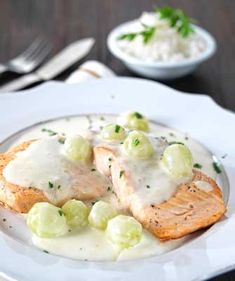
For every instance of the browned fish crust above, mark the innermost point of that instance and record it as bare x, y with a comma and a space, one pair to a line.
188, 210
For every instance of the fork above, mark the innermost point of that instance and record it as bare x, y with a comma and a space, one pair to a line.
32, 57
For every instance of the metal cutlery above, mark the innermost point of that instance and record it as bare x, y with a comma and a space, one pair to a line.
55, 66
32, 57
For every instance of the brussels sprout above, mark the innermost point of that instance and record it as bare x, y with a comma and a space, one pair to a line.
76, 213
138, 146
46, 220
178, 161
77, 148
113, 132
124, 231
100, 214
134, 121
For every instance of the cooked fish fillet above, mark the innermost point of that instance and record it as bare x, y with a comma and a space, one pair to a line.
86, 186
188, 210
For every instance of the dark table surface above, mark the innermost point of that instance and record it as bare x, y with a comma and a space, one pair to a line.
65, 21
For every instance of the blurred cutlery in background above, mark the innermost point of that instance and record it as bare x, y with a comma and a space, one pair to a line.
55, 66
32, 57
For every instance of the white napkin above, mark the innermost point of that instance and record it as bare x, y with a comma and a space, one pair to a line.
90, 70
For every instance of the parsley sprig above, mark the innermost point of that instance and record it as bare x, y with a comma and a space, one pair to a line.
147, 34
177, 19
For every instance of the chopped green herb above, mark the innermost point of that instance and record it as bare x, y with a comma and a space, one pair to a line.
121, 173
138, 115
224, 156
110, 166
121, 142
102, 118
61, 140
60, 212
128, 36
93, 169
117, 129
109, 188
50, 184
148, 186
45, 251
175, 142
93, 203
110, 159
217, 168
136, 142
59, 186
147, 34
177, 19
186, 137
171, 134
50, 132
197, 165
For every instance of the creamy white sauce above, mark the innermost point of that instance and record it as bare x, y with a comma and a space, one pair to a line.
43, 166
87, 243
149, 246
91, 244
40, 164
82, 124
152, 183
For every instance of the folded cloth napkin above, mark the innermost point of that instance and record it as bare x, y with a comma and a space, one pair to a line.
90, 70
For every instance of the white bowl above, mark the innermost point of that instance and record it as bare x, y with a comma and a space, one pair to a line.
156, 69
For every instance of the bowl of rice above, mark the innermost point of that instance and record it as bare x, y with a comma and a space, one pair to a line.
161, 45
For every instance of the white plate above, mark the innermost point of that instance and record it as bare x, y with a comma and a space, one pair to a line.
211, 253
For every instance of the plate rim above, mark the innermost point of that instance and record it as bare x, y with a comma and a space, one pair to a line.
42, 87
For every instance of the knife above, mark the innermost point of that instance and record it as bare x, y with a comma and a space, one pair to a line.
55, 66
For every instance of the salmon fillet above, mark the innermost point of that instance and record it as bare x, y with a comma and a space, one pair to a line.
188, 210
86, 186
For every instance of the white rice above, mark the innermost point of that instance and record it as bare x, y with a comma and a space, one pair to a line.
165, 45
